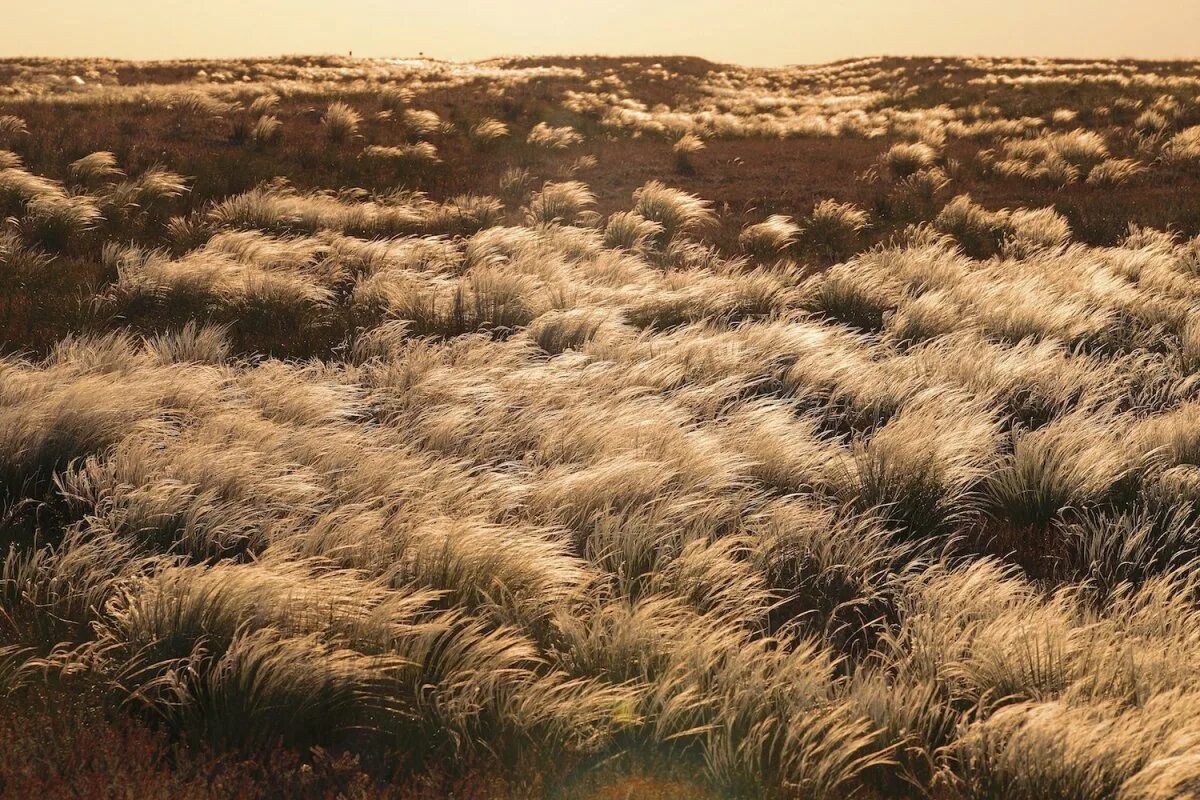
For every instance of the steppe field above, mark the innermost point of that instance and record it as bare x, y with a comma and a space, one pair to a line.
599, 429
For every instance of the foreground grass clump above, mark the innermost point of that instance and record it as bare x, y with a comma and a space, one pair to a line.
809, 433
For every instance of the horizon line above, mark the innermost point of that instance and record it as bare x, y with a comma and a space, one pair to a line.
280, 56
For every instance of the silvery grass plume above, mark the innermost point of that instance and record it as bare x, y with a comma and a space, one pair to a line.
157, 187
578, 164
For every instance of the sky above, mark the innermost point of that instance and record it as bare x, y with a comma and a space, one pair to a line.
768, 33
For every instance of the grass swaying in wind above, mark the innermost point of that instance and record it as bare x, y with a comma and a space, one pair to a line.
365, 482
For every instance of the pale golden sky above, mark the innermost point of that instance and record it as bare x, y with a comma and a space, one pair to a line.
762, 33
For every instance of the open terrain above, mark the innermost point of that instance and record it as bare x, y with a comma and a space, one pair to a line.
600, 428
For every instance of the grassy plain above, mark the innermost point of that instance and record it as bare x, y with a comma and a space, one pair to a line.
600, 428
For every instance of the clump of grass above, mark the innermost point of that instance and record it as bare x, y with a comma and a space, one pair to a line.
1100, 750
1029, 231
487, 132
199, 104
185, 233
157, 187
395, 98
146, 201
264, 105
978, 231
1189, 345
922, 470
193, 343
1115, 172
463, 214
11, 128
1182, 149
908, 158
25, 268
559, 331
1063, 116
418, 155
628, 230
58, 223
549, 137
926, 317
918, 195
234, 698
96, 169
582, 163
769, 238
559, 203
514, 183
18, 187
1151, 121
1114, 551
982, 233
421, 122
341, 122
487, 299
684, 148
266, 130
833, 229
1054, 158
675, 210
53, 593
1074, 463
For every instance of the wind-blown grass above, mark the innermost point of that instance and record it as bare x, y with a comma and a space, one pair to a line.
845, 488
341, 122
